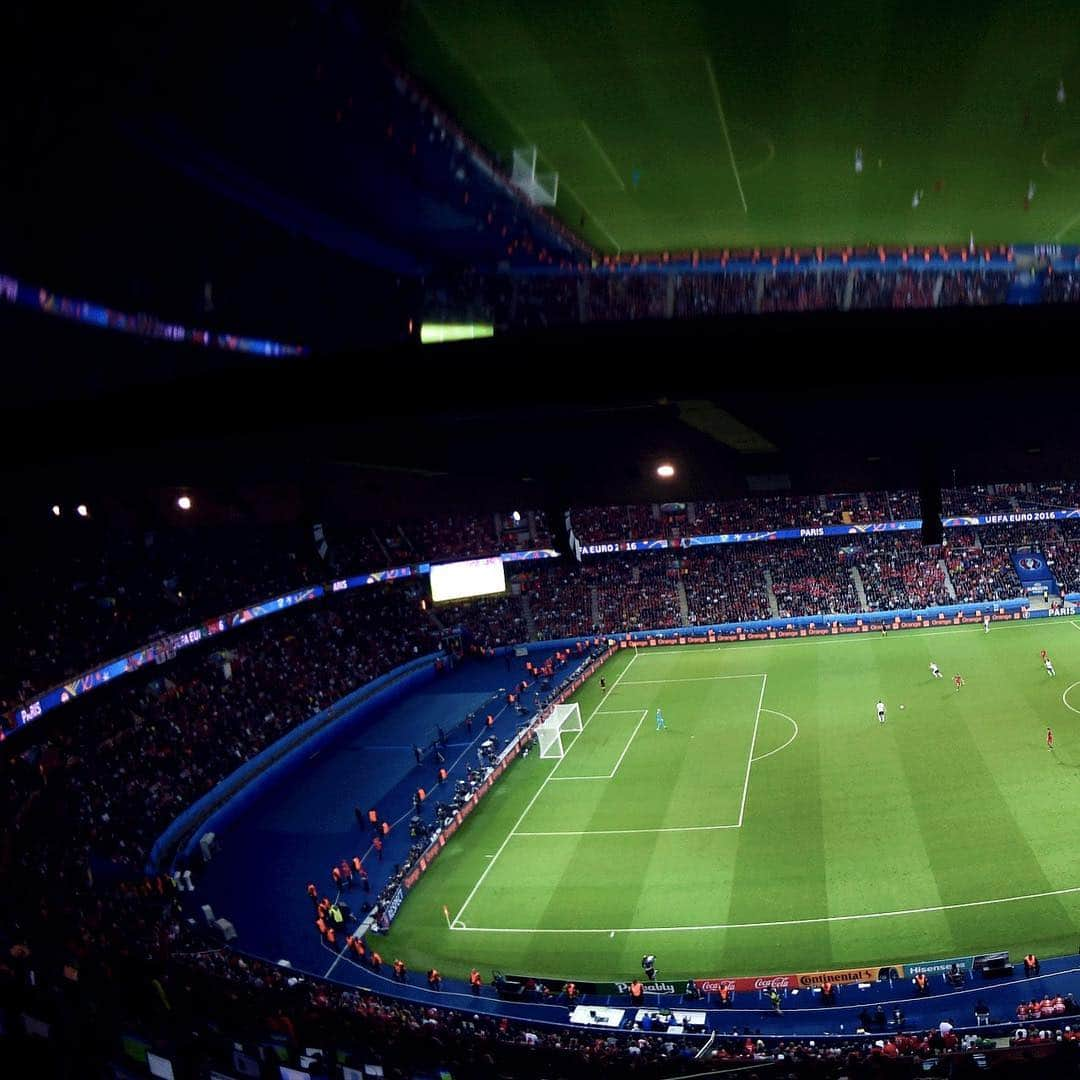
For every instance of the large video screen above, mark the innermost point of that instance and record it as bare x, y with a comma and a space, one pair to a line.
458, 580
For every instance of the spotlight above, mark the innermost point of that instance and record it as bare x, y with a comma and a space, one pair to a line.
55, 510
184, 502
665, 470
82, 511
516, 516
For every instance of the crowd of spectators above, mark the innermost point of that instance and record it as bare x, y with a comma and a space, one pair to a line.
625, 297
701, 295
560, 600
897, 571
723, 585
84, 804
1058, 495
490, 621
95, 596
74, 603
519, 302
174, 736
803, 290
774, 511
977, 499
811, 577
981, 574
636, 593
892, 505
1062, 287
206, 1009
599, 524
983, 289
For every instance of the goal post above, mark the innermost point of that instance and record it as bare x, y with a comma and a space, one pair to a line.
563, 718
541, 189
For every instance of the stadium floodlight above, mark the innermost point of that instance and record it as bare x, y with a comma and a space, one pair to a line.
541, 189
184, 502
82, 511
563, 718
56, 510
666, 471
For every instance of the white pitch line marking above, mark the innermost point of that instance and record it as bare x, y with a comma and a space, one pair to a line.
723, 124
1063, 231
786, 922
753, 743
1065, 694
644, 713
632, 832
794, 736
539, 792
557, 778
607, 161
695, 678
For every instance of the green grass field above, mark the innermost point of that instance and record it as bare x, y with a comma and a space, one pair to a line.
687, 124
776, 826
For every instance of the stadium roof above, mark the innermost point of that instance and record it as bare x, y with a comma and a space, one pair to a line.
581, 418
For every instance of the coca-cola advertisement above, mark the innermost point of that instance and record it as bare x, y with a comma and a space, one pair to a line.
745, 985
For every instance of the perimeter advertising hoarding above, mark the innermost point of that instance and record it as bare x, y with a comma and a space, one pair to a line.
804, 980
935, 967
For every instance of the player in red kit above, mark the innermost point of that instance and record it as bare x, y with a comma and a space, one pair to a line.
958, 681
1049, 738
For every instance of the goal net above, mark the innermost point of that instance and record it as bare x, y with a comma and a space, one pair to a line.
563, 718
541, 189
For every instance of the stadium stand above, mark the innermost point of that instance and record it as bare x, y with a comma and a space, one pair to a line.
722, 585
898, 571
981, 574
636, 593
811, 577
210, 710
601, 524
95, 594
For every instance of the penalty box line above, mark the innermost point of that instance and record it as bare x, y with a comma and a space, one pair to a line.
675, 828
539, 791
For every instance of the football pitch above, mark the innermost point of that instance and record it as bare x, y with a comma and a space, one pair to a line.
679, 124
776, 825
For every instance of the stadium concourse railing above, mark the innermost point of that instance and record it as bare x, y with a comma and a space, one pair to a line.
163, 649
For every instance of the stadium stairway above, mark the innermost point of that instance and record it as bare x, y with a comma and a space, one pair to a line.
774, 607
684, 607
950, 588
530, 622
860, 592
